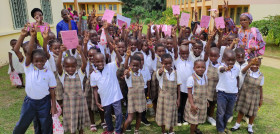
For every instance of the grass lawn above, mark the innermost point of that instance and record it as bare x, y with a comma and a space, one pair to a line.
267, 121
272, 50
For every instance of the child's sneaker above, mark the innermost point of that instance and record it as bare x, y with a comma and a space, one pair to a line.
211, 121
146, 122
128, 129
185, 122
235, 127
250, 129
179, 123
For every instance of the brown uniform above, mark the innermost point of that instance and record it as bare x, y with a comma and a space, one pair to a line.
154, 82
213, 79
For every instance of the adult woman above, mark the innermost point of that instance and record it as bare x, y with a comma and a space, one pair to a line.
37, 14
250, 38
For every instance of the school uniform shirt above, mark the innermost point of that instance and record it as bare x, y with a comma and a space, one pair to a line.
255, 75
193, 58
200, 80
80, 73
227, 80
241, 76
107, 83
210, 62
16, 64
129, 81
52, 62
222, 50
114, 55
101, 47
170, 52
185, 70
170, 77
146, 75
87, 67
146, 56
132, 53
153, 63
38, 82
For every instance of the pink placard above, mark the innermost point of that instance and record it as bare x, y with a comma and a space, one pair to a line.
184, 21
220, 23
205, 21
168, 31
70, 39
108, 15
176, 9
120, 23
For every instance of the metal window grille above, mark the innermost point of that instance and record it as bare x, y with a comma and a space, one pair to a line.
19, 13
47, 11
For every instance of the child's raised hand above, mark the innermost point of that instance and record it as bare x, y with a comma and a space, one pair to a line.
235, 41
177, 16
228, 68
24, 31
86, 38
140, 27
32, 30
126, 72
254, 61
46, 33
124, 25
161, 70
128, 51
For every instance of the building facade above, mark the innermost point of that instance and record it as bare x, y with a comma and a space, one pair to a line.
258, 8
15, 13
99, 5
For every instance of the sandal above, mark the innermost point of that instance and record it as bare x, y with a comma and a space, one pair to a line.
103, 125
93, 128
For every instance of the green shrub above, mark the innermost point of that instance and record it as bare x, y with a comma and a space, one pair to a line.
270, 27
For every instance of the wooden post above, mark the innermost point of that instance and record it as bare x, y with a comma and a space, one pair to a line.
76, 6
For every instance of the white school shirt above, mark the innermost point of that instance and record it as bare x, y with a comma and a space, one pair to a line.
228, 80
170, 77
80, 73
146, 75
222, 51
107, 83
255, 75
16, 64
146, 56
241, 76
101, 47
114, 56
87, 68
129, 79
38, 82
52, 62
185, 70
153, 63
193, 58
200, 80
136, 50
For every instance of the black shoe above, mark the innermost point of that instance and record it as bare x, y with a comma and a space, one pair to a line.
233, 129
128, 129
197, 131
146, 122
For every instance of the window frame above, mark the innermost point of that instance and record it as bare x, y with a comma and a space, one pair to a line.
45, 13
21, 13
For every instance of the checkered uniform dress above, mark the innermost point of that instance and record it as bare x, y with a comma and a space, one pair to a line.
89, 92
167, 111
122, 82
75, 112
200, 101
249, 97
59, 87
213, 79
136, 95
154, 83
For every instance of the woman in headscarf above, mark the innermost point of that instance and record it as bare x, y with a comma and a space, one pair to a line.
250, 38
37, 14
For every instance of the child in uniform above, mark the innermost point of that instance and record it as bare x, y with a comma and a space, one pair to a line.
196, 107
75, 112
251, 94
169, 95
40, 85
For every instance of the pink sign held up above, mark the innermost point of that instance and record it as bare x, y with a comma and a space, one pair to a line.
108, 15
184, 21
176, 9
205, 21
70, 39
220, 23
168, 30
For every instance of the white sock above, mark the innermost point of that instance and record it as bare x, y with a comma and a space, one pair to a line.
236, 126
250, 128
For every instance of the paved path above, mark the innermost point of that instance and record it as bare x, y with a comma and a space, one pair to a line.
271, 62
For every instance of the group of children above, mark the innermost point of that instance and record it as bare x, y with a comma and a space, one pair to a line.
184, 76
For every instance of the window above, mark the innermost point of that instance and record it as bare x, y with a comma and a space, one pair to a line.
115, 7
47, 10
110, 7
232, 13
71, 6
237, 21
100, 7
19, 13
245, 9
104, 7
